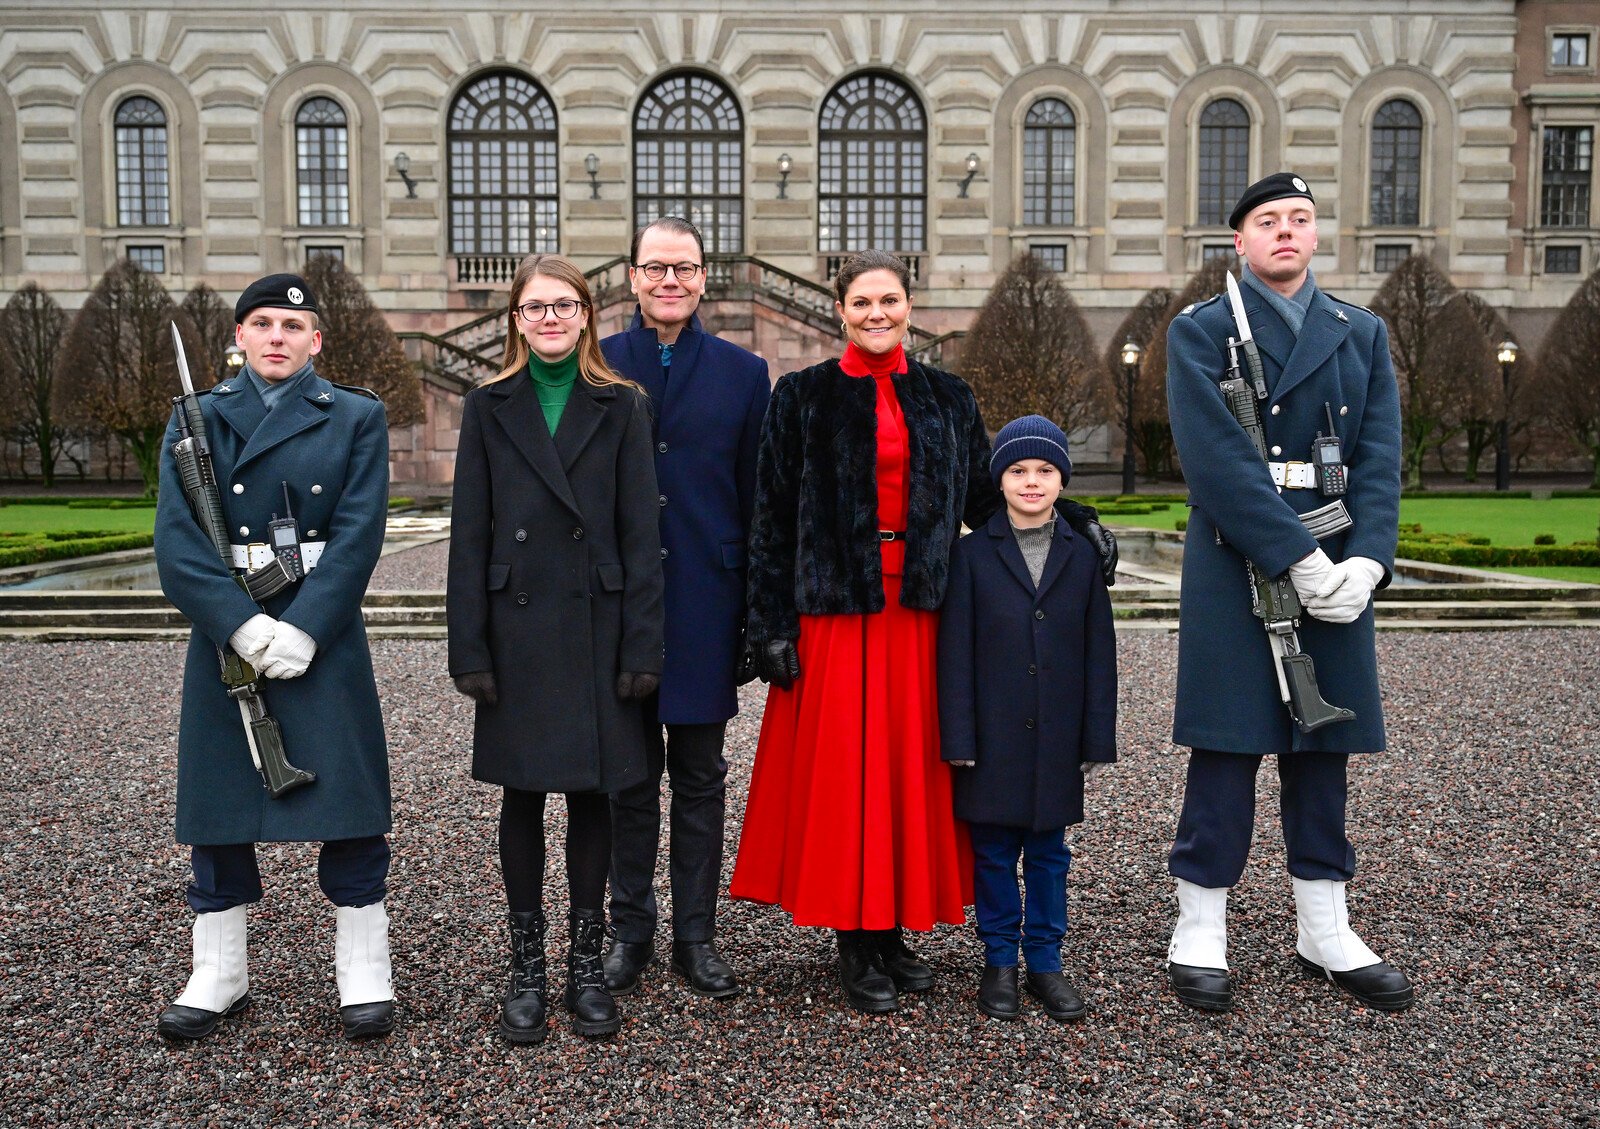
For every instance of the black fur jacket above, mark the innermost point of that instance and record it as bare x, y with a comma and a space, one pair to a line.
813, 546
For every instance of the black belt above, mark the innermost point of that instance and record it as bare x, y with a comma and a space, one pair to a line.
891, 535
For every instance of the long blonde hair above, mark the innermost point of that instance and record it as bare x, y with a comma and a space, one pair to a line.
591, 361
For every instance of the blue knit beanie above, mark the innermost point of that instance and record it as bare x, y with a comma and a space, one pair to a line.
1031, 437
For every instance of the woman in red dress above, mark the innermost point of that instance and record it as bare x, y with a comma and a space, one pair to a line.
869, 465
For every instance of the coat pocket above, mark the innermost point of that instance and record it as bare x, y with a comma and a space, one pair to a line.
733, 554
498, 575
608, 577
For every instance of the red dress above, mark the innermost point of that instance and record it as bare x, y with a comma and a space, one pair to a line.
849, 824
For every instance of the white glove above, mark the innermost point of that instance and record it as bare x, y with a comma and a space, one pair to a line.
1091, 769
250, 641
1345, 601
289, 653
1312, 576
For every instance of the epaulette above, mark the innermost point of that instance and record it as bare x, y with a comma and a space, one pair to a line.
1352, 305
1193, 306
358, 390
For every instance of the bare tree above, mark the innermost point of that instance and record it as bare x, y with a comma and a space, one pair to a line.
358, 347
1154, 434
1569, 372
1439, 353
1486, 402
117, 372
31, 329
213, 326
1149, 404
1030, 352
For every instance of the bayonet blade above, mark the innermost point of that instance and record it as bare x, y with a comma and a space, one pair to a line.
1252, 358
1235, 303
183, 361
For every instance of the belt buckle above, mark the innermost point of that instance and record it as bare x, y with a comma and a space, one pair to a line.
1297, 475
254, 559
886, 535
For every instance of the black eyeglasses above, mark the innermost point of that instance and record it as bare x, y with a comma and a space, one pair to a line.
655, 272
534, 311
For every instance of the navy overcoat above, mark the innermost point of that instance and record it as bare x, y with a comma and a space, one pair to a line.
331, 445
1027, 678
707, 409
1227, 690
554, 582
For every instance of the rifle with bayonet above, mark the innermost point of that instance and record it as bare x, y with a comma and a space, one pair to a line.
1273, 599
192, 454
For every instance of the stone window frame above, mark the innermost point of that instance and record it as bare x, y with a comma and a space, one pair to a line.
553, 135
710, 234
141, 154
1185, 247
1554, 31
919, 99
329, 192
1356, 244
1421, 128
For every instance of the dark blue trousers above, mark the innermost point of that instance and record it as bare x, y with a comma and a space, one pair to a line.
1219, 817
1002, 923
351, 872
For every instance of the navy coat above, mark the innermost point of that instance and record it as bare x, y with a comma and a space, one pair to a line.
707, 411
554, 582
1027, 678
331, 444
1227, 690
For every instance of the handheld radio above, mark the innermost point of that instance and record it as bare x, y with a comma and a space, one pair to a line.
284, 535
1333, 477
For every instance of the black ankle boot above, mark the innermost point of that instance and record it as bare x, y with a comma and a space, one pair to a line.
523, 1016
866, 986
594, 1012
909, 972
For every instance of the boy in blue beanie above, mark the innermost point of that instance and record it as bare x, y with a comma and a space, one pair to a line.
1028, 710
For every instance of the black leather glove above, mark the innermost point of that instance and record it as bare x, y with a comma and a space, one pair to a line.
635, 685
479, 686
1085, 521
778, 663
745, 671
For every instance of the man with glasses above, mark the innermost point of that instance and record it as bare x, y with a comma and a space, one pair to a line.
708, 397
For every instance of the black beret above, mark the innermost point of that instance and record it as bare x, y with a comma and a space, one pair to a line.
280, 291
1278, 186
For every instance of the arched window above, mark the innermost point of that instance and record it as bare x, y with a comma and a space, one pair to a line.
688, 159
1224, 159
1397, 165
874, 146
1048, 164
503, 180
140, 127
322, 163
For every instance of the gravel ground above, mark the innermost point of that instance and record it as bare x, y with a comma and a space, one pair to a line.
1479, 837
412, 569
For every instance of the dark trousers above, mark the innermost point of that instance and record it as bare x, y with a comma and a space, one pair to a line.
692, 757
522, 849
1004, 919
351, 872
1219, 815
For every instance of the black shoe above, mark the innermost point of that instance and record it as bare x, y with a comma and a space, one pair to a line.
625, 962
179, 1023
367, 1021
997, 992
1381, 985
909, 972
524, 1009
1209, 989
1061, 1000
866, 986
708, 974
594, 1012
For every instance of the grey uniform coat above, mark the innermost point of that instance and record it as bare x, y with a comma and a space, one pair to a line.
331, 444
1227, 690
555, 582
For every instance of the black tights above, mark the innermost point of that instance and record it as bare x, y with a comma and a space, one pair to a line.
522, 848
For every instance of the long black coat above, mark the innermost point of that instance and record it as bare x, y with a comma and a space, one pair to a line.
707, 409
555, 582
1027, 678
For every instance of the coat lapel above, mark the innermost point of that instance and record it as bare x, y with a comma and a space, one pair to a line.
1005, 543
301, 408
239, 405
1061, 549
1324, 330
1272, 336
519, 414
580, 419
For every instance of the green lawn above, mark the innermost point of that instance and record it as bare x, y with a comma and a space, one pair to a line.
52, 519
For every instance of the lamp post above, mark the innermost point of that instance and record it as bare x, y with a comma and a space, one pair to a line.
1507, 356
1130, 376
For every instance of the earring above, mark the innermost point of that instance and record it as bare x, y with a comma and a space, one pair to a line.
843, 328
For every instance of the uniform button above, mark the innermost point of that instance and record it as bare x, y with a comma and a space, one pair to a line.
662, 447
1344, 409
238, 488
1276, 408
1277, 450
522, 535
663, 554
577, 533
662, 500
244, 531
1032, 669
1039, 614
522, 597
1028, 723
311, 533
317, 489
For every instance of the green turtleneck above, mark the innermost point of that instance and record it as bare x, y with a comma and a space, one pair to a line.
553, 383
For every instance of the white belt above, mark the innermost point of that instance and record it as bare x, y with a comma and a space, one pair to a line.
258, 554
1294, 476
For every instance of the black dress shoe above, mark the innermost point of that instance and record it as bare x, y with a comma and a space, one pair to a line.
367, 1021
624, 963
1381, 985
866, 986
1209, 989
179, 1023
1061, 1000
997, 992
909, 972
707, 973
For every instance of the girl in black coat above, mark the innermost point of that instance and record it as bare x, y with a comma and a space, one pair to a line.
555, 616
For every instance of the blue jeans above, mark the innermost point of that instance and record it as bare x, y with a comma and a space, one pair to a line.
1002, 924
351, 872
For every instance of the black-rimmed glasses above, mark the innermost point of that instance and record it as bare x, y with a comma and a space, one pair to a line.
535, 311
655, 272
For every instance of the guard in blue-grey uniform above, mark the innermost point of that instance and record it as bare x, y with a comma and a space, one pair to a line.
1327, 367
279, 426
708, 397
